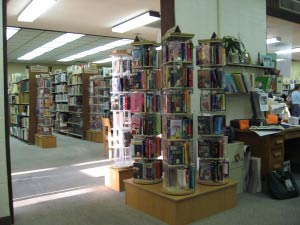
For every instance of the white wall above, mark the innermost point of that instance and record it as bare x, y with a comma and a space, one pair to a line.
4, 203
20, 67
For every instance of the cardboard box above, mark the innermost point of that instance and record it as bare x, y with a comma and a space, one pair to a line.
45, 141
95, 136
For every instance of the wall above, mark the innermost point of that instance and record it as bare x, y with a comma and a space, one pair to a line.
20, 67
244, 19
4, 193
295, 71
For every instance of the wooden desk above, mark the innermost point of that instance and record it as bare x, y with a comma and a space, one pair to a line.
271, 148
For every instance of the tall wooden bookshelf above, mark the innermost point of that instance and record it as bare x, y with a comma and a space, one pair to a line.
210, 57
177, 118
145, 106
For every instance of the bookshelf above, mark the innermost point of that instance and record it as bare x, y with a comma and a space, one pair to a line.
44, 131
19, 106
99, 102
210, 57
120, 138
145, 106
60, 95
177, 119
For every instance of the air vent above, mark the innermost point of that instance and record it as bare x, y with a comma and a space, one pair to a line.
290, 5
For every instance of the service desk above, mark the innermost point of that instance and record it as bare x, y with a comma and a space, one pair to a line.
273, 149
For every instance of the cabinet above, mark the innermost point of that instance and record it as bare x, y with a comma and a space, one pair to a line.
145, 108
234, 154
177, 118
213, 168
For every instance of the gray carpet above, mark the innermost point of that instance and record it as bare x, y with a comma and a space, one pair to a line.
70, 191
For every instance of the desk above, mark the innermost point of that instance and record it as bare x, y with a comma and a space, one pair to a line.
271, 148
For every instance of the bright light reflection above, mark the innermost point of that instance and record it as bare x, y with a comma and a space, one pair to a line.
100, 171
32, 171
33, 201
92, 162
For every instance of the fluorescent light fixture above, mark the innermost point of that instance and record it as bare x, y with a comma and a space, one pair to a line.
95, 50
273, 40
278, 60
103, 61
288, 51
49, 46
35, 9
141, 20
11, 31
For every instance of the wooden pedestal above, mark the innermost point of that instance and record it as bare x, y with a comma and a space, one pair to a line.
95, 136
115, 177
45, 141
180, 210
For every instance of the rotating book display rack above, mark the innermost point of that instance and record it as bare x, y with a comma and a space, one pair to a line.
120, 138
145, 105
177, 119
210, 57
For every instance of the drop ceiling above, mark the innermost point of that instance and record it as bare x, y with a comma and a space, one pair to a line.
96, 17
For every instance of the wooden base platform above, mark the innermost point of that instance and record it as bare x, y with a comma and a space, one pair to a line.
179, 210
45, 141
94, 135
115, 177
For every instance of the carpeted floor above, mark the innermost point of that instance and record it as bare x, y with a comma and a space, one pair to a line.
65, 186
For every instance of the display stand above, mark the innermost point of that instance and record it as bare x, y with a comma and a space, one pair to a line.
177, 119
115, 177
205, 201
145, 113
44, 137
120, 139
213, 170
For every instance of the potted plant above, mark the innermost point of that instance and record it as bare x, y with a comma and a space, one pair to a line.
234, 49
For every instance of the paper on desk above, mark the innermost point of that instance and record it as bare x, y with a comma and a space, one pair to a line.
264, 133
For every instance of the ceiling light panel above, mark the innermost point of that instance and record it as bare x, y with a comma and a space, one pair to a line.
103, 61
98, 49
35, 9
49, 46
139, 21
11, 31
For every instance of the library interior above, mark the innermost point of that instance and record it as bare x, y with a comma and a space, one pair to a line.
150, 112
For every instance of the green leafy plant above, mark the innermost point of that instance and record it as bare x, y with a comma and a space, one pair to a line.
233, 46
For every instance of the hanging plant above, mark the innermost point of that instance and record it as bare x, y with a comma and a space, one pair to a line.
233, 46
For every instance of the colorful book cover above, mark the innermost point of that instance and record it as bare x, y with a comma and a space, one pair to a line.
205, 124
175, 155
205, 103
219, 124
176, 129
205, 172
204, 79
136, 124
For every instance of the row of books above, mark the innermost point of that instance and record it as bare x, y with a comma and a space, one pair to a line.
22, 98
177, 51
101, 107
239, 82
211, 147
75, 90
177, 128
43, 112
144, 56
180, 177
19, 121
119, 84
97, 92
44, 83
211, 78
213, 171
24, 86
61, 107
176, 102
61, 98
98, 100
19, 109
147, 169
60, 88
178, 76
46, 102
120, 102
177, 153
208, 53
149, 147
212, 102
75, 79
60, 78
212, 124
145, 124
96, 122
144, 102
19, 132
43, 92
75, 100
146, 79
122, 65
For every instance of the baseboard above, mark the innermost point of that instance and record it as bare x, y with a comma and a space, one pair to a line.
5, 221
